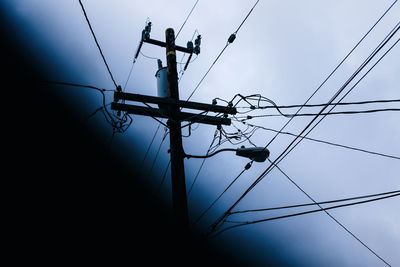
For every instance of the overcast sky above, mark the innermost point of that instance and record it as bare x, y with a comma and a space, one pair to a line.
284, 51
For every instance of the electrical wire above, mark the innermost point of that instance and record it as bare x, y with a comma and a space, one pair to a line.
201, 165
330, 215
190, 13
282, 155
158, 151
260, 98
230, 40
337, 67
247, 16
134, 60
275, 162
129, 75
248, 165
305, 135
313, 204
305, 212
97, 43
163, 177
151, 142
322, 114
120, 125
329, 143
332, 104
209, 69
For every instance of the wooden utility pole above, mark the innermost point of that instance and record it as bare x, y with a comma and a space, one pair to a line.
174, 115
179, 199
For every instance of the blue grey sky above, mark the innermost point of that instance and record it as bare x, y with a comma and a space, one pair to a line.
284, 51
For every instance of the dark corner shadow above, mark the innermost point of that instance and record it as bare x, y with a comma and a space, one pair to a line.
70, 201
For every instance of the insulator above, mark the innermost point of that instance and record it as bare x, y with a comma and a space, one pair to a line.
197, 42
232, 38
190, 45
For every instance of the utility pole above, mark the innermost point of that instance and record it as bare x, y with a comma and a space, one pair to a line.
174, 115
179, 199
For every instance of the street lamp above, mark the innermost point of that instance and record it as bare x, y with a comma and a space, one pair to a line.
258, 154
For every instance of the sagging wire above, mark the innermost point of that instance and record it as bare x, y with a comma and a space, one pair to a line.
211, 149
119, 122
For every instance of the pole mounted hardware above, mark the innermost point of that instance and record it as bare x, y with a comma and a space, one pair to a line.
189, 49
195, 49
170, 107
183, 104
179, 116
171, 102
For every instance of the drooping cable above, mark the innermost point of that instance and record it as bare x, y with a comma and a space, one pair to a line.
328, 143
303, 213
97, 43
305, 135
282, 155
119, 124
331, 216
313, 204
350, 112
337, 67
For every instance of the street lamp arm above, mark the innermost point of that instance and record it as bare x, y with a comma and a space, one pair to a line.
258, 154
209, 155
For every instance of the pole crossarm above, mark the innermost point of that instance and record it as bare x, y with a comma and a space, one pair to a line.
163, 44
171, 101
181, 116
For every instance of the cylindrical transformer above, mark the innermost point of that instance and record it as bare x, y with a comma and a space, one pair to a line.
162, 85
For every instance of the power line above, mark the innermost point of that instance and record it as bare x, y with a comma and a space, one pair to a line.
328, 143
247, 16
77, 85
97, 43
164, 175
313, 204
231, 39
202, 163
280, 158
248, 165
336, 68
119, 124
158, 151
330, 215
306, 212
331, 104
190, 13
373, 54
322, 114
283, 155
261, 98
148, 148
209, 69
343, 95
